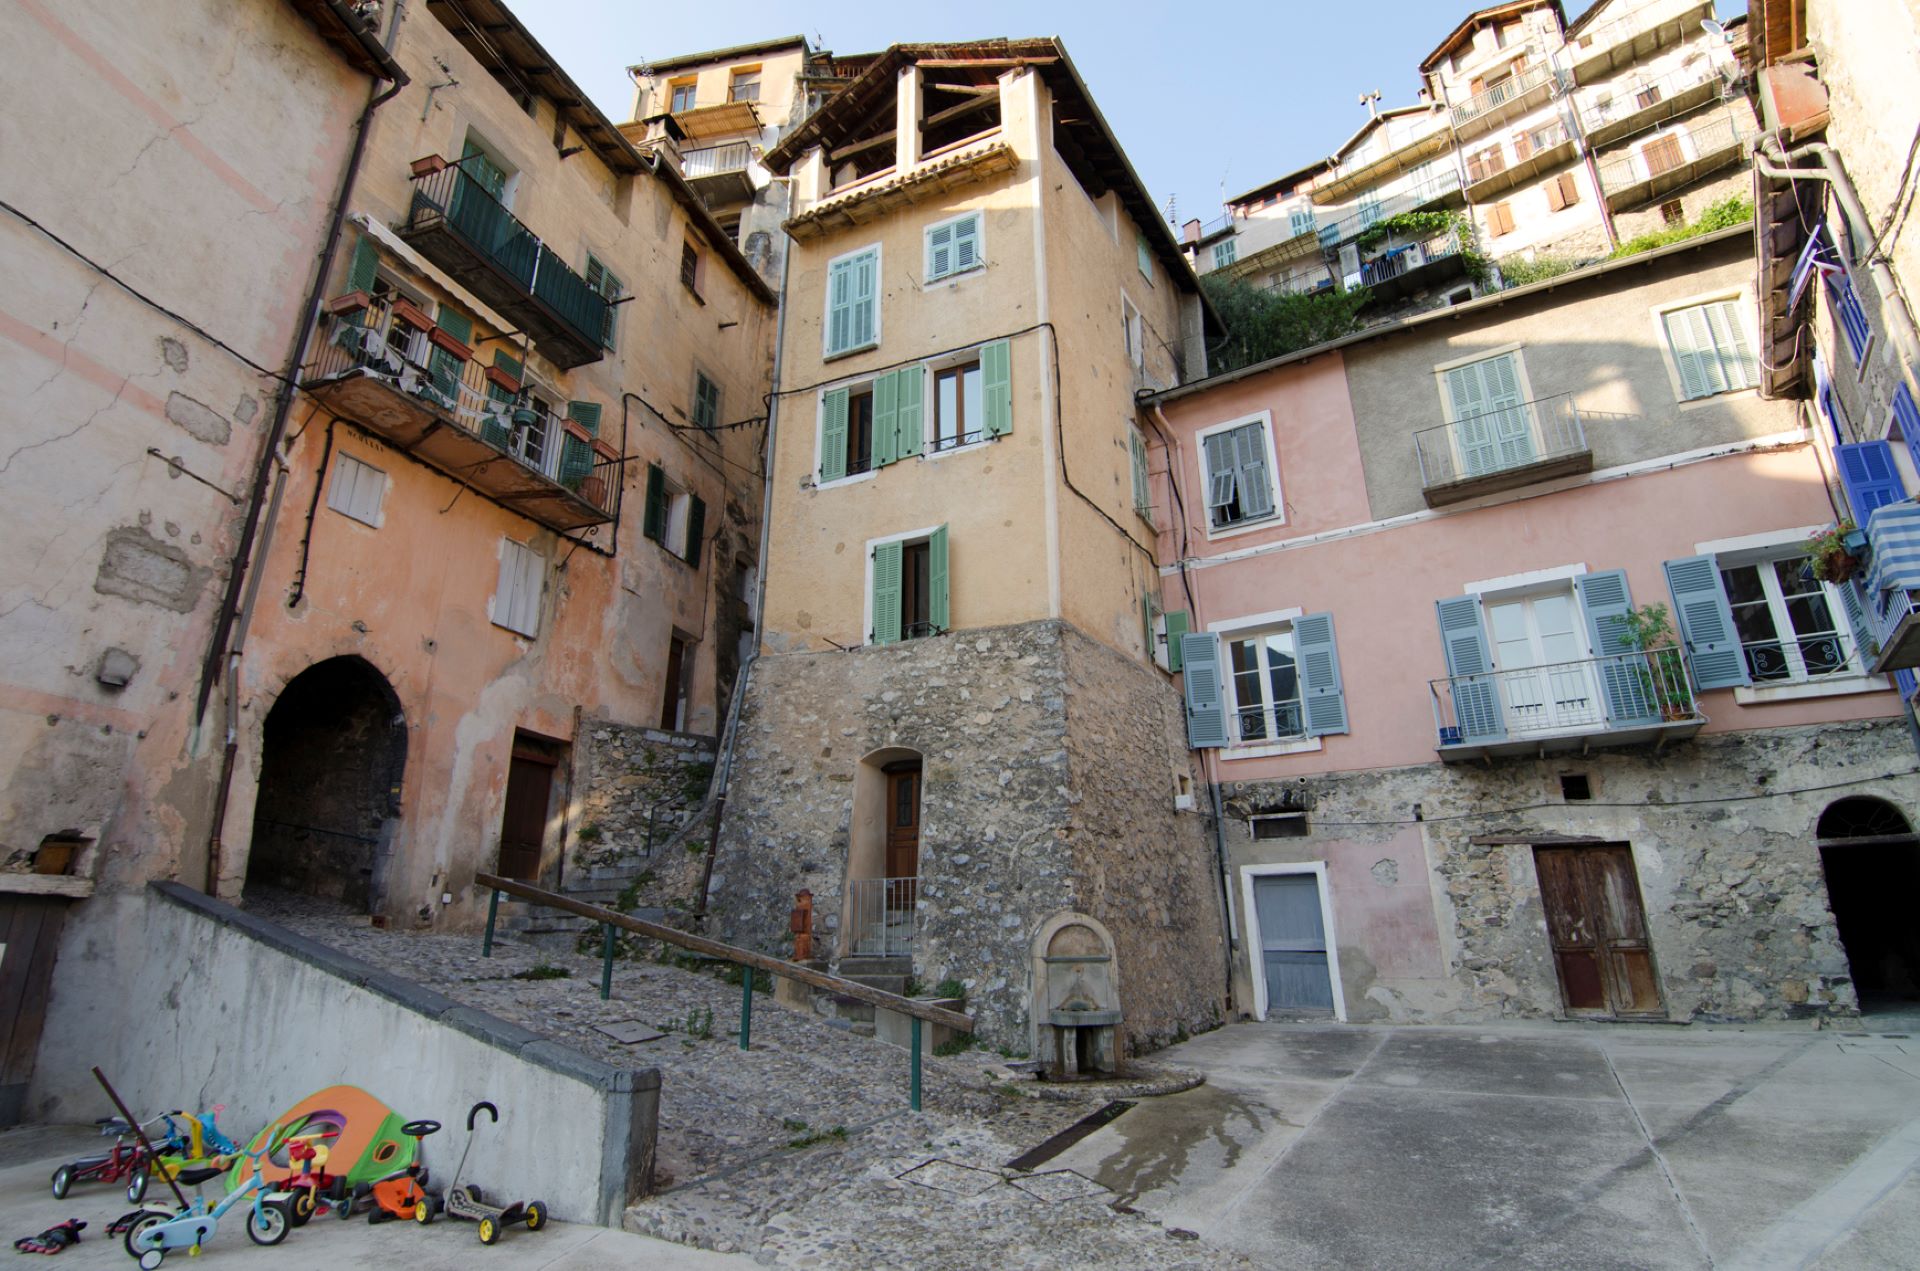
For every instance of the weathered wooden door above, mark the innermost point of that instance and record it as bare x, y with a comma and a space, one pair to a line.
1598, 929
29, 940
523, 831
903, 835
1293, 943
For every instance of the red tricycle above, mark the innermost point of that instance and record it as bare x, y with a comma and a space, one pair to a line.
127, 1159
314, 1190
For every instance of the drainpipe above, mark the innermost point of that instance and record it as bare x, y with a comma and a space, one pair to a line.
230, 627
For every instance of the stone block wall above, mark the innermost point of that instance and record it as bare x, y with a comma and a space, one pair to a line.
638, 787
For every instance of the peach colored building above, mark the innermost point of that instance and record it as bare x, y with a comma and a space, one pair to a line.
1458, 774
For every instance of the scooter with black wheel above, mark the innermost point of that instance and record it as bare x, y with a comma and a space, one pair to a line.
466, 1201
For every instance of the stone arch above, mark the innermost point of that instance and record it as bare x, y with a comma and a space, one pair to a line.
879, 903
1861, 816
1870, 857
1070, 934
332, 758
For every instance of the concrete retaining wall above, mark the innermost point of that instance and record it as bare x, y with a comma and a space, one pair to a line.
186, 1002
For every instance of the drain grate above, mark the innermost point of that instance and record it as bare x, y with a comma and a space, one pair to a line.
1068, 1137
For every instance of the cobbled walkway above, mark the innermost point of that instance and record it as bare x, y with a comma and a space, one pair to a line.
800, 1151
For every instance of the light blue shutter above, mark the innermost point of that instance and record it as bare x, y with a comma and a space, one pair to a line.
1472, 431
1321, 691
1146, 256
1206, 712
966, 244
1176, 633
886, 420
1222, 471
866, 298
839, 306
1871, 480
1255, 481
833, 435
939, 611
1737, 364
1512, 434
912, 385
996, 386
887, 561
1626, 678
1693, 352
1476, 696
940, 251
1705, 620
1865, 640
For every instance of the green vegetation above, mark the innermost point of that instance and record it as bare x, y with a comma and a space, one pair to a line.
1264, 324
956, 1046
589, 833
1424, 226
805, 1135
697, 1024
543, 972
1518, 273
951, 987
1725, 214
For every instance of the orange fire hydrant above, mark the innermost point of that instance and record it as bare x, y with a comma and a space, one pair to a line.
800, 921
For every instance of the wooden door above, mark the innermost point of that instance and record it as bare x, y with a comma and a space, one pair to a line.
523, 831
29, 940
1598, 929
903, 836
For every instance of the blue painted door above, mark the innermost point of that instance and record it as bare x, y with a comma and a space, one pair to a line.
1293, 943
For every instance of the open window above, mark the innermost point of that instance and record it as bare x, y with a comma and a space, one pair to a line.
675, 517
907, 596
1238, 473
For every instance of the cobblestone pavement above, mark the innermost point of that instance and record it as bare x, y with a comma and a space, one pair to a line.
802, 1150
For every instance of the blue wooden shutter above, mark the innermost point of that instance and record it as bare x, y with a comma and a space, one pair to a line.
833, 435
1176, 632
654, 523
1206, 711
911, 385
886, 420
996, 386
1908, 417
1706, 625
1626, 676
939, 611
1476, 696
1322, 693
888, 559
1847, 312
1871, 480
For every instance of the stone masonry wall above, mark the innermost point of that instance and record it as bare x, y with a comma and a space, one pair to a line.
637, 786
1722, 831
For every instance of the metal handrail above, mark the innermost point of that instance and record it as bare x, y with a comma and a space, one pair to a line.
1514, 86
1408, 257
1584, 696
1500, 440
715, 160
1709, 138
1268, 722
1623, 99
883, 915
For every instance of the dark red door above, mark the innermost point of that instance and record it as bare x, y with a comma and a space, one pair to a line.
1598, 929
523, 831
903, 836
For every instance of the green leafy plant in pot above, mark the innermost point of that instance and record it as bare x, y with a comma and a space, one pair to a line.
1832, 552
1663, 677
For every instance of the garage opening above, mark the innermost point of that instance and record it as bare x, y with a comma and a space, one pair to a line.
330, 771
1871, 858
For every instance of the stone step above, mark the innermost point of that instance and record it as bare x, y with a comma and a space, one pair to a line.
857, 965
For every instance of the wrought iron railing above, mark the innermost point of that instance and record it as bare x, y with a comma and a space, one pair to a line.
1797, 658
1268, 722
1216, 225
1333, 233
1508, 89
463, 205
1612, 103
1500, 440
1401, 260
1718, 137
713, 161
883, 913
376, 342
1590, 696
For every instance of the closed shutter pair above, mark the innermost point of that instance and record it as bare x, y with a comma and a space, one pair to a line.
1323, 696
1710, 349
853, 302
1563, 191
889, 589
953, 248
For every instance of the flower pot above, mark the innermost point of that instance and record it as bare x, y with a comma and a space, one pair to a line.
1837, 567
1450, 736
442, 340
352, 302
499, 377
594, 490
428, 166
413, 315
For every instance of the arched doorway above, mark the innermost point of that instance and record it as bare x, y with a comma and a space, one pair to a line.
1871, 858
883, 855
334, 749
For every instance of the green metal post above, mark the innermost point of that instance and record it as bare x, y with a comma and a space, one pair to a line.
493, 911
914, 1089
606, 961
746, 1006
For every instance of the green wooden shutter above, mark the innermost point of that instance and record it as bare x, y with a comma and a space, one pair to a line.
696, 530
1626, 681
1176, 632
576, 456
1142, 488
839, 306
939, 612
508, 363
912, 382
996, 385
586, 414
966, 244
443, 377
365, 263
833, 435
654, 523
1706, 622
1476, 697
886, 420
1200, 682
887, 568
454, 323
496, 428
866, 298
1145, 255
1322, 692
940, 251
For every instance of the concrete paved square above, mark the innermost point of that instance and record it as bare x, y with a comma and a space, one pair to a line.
1545, 1146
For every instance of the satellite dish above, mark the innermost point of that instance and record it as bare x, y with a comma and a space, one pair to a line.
1715, 30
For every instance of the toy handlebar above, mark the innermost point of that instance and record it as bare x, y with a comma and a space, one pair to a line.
473, 1112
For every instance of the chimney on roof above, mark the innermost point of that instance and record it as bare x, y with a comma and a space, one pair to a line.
657, 134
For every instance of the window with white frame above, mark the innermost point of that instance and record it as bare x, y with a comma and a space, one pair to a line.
357, 490
1136, 332
516, 597
853, 302
1790, 624
953, 247
1225, 252
1301, 220
1264, 676
1711, 350
1237, 463
959, 406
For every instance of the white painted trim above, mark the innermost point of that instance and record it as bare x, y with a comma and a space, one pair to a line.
837, 482
1279, 514
1253, 620
1440, 369
926, 250
1772, 441
826, 303
1532, 578
1799, 690
1756, 542
1257, 962
1743, 313
1306, 745
866, 604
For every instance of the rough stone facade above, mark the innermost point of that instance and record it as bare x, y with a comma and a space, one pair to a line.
1049, 769
1723, 836
638, 788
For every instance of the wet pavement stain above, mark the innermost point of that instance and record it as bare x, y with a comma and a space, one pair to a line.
1159, 1137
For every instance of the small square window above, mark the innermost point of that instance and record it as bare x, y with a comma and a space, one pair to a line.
1673, 212
516, 597
682, 95
953, 247
357, 490
744, 86
1575, 787
690, 267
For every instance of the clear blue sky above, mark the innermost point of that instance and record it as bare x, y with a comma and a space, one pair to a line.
1201, 98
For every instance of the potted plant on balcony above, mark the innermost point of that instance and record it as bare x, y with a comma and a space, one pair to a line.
1835, 551
1663, 678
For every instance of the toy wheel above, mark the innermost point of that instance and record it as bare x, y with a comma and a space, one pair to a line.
62, 1182
489, 1231
473, 1194
137, 1185
536, 1214
423, 1211
152, 1258
270, 1226
303, 1206
140, 1226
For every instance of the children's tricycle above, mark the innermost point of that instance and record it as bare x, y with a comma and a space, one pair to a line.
313, 1189
467, 1202
403, 1193
156, 1232
127, 1159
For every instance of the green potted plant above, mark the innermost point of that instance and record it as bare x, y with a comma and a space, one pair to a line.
1834, 552
1663, 677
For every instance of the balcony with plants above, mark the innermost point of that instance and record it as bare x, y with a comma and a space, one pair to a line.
1411, 251
384, 365
458, 224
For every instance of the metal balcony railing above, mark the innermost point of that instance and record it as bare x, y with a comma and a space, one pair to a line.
715, 161
1797, 658
1333, 233
1404, 260
1586, 698
1500, 440
1269, 722
1683, 151
1607, 106
1509, 89
452, 201
884, 911
1217, 225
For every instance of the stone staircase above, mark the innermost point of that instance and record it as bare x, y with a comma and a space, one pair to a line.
560, 931
889, 974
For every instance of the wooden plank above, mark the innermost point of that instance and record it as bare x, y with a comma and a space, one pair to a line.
23, 927
46, 885
952, 63
731, 953
31, 1014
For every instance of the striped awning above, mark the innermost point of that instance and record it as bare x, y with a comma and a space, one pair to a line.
1893, 534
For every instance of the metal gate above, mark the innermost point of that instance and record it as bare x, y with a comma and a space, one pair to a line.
1293, 943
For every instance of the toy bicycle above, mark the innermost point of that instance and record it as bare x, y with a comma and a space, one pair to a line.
127, 1159
154, 1233
403, 1193
467, 1202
